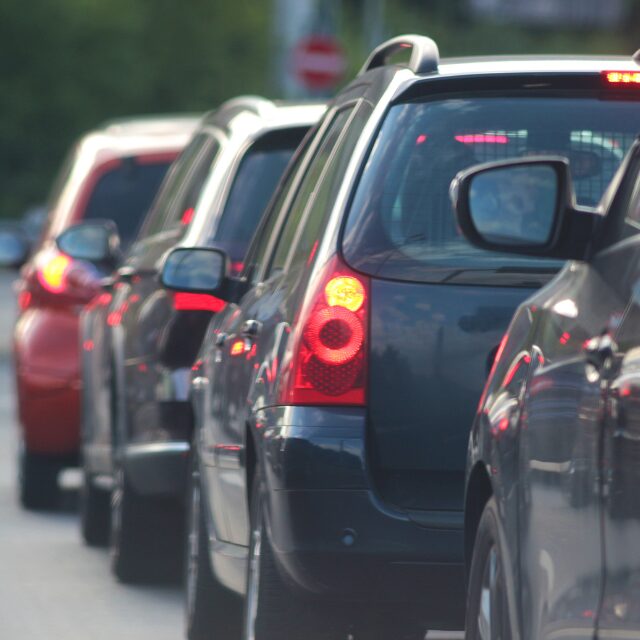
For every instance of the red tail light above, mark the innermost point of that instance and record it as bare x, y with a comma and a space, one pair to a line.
52, 273
327, 361
197, 302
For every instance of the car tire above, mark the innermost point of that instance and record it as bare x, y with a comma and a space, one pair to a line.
487, 601
95, 513
211, 610
38, 481
272, 609
145, 535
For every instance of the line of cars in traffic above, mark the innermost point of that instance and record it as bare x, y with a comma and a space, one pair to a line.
272, 379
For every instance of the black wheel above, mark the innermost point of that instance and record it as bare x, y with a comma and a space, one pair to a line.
145, 535
95, 513
38, 481
272, 610
487, 603
211, 610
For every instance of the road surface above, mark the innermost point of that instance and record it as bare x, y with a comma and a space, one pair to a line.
52, 587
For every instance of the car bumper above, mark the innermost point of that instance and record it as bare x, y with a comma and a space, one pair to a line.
332, 536
49, 410
159, 468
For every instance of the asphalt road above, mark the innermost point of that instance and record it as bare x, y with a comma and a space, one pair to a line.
52, 587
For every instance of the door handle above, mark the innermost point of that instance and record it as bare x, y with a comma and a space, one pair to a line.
602, 353
251, 328
221, 338
126, 273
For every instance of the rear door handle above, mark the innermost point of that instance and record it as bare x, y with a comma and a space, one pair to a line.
221, 338
126, 273
602, 353
251, 328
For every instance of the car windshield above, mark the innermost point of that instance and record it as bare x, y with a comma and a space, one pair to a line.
124, 194
401, 222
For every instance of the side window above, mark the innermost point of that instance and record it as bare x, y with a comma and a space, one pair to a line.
308, 187
257, 253
170, 187
183, 207
322, 204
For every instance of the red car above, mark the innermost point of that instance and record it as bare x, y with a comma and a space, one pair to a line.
112, 174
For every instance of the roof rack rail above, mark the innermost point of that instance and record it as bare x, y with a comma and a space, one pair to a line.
424, 53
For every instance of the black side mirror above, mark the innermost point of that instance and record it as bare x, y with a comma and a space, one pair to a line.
524, 206
196, 270
94, 241
14, 247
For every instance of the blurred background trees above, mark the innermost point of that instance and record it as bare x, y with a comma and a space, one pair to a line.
67, 65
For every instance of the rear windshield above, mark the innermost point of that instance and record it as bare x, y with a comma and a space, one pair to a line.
124, 194
252, 188
401, 224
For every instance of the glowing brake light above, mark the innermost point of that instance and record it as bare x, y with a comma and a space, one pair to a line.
327, 359
197, 302
52, 275
622, 78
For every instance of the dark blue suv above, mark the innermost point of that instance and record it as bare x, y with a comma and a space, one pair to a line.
335, 393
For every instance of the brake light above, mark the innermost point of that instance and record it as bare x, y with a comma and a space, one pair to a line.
197, 302
622, 78
52, 275
327, 360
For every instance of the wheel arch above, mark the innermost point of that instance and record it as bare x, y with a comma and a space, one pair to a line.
479, 492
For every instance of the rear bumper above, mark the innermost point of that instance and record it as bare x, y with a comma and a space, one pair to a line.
49, 411
334, 539
158, 469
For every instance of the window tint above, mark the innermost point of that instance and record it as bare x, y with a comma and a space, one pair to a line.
253, 185
263, 238
307, 188
172, 186
183, 207
325, 194
124, 195
402, 223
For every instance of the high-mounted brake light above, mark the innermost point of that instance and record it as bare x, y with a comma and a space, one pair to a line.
52, 274
327, 359
622, 78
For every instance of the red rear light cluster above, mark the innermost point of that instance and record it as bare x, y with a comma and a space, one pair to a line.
327, 363
622, 78
53, 272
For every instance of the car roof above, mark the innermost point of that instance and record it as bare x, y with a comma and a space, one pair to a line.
568, 64
138, 136
242, 121
245, 113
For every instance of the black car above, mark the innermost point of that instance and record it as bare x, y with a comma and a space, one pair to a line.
552, 510
140, 341
337, 389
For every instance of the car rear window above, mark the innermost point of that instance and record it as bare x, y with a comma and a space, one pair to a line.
253, 186
123, 194
401, 223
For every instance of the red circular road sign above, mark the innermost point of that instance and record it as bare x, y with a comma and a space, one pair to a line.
319, 62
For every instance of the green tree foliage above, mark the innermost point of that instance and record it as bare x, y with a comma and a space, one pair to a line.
67, 65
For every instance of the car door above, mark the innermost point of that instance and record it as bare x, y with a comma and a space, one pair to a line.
252, 334
617, 357
560, 455
144, 306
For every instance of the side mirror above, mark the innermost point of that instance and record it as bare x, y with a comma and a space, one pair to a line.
14, 247
197, 270
95, 241
524, 206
